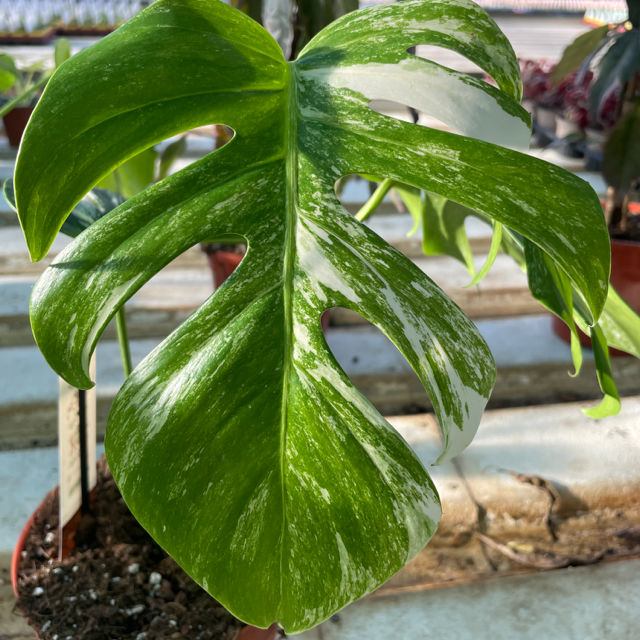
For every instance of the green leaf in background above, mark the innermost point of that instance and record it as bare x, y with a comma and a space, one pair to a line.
621, 159
133, 176
617, 65
577, 52
8, 72
620, 324
443, 230
496, 244
29, 80
61, 51
96, 204
610, 405
170, 154
512, 245
412, 198
552, 288
239, 443
341, 7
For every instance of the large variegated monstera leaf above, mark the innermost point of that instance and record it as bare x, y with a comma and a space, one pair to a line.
239, 442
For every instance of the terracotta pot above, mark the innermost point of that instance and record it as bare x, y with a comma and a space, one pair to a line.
224, 263
247, 633
625, 278
15, 122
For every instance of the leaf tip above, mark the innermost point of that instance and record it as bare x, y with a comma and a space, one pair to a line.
608, 408
36, 251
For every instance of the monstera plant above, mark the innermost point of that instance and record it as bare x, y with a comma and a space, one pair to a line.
239, 443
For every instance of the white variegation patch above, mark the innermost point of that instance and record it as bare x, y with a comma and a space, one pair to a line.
469, 106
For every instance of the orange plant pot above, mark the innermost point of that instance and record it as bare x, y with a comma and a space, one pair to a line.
625, 278
15, 123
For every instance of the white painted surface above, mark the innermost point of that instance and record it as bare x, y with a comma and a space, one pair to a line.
12, 242
26, 377
170, 289
175, 288
596, 461
584, 603
583, 449
360, 350
25, 479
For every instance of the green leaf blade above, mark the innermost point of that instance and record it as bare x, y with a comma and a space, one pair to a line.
8, 72
621, 160
610, 404
443, 230
509, 187
620, 324
496, 243
617, 65
239, 442
552, 288
146, 109
577, 52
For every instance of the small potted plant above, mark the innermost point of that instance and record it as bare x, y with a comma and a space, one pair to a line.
614, 104
535, 83
239, 443
19, 88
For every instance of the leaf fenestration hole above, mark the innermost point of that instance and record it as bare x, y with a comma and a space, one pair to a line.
193, 144
446, 58
375, 365
399, 111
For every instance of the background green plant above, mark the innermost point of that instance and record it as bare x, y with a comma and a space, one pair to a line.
22, 84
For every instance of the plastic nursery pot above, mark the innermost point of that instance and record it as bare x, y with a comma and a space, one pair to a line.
224, 263
246, 633
15, 122
625, 278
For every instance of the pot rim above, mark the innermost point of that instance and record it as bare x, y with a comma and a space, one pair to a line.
626, 243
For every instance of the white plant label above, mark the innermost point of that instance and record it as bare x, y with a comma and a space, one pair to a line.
69, 445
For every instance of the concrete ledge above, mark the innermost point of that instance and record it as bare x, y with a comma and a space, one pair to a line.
171, 296
533, 366
593, 466
584, 603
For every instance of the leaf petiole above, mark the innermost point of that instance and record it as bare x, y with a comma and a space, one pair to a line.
374, 201
123, 341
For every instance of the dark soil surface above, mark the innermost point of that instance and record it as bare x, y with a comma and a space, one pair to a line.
116, 584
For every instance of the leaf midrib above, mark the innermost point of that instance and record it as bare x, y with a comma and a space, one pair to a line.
290, 145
